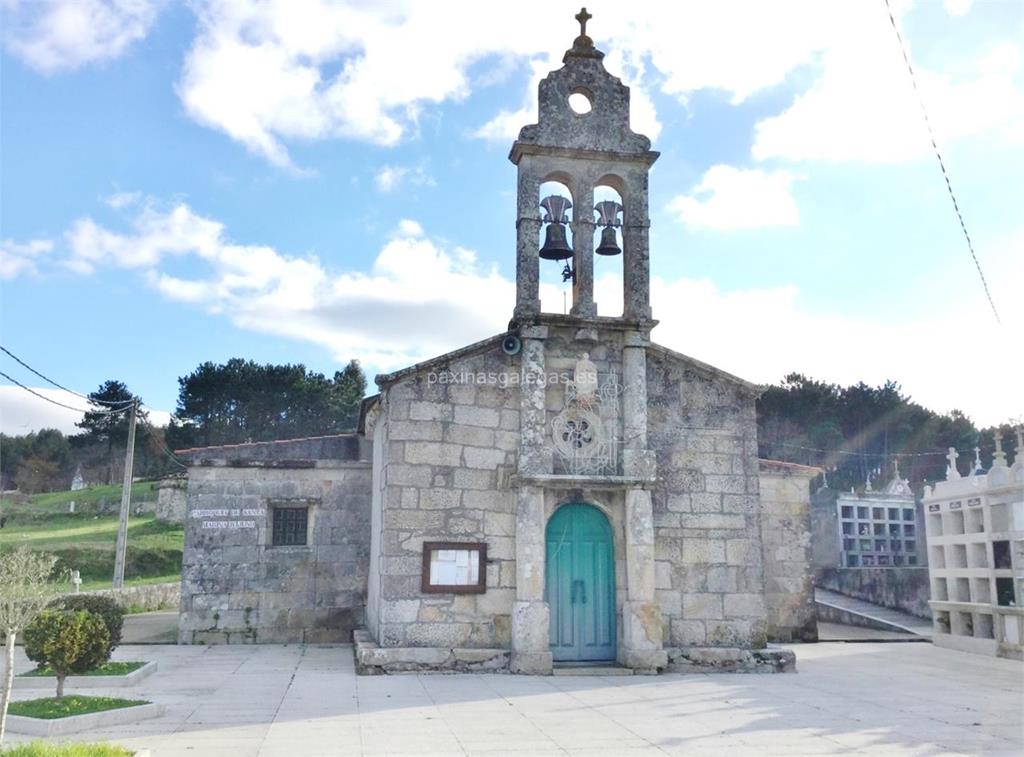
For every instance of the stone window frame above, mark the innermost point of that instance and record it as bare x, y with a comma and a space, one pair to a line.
311, 505
480, 587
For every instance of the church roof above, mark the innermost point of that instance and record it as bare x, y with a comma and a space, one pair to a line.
284, 452
383, 380
708, 370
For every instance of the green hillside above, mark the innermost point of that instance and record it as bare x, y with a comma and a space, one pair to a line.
85, 540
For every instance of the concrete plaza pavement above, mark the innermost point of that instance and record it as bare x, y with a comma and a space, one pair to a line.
285, 701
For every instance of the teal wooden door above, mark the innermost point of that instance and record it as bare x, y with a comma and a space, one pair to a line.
580, 584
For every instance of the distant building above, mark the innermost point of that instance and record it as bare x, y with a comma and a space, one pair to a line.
879, 529
77, 482
975, 532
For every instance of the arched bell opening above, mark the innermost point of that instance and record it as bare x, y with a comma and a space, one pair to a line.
608, 245
555, 244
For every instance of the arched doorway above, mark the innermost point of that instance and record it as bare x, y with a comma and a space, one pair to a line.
580, 584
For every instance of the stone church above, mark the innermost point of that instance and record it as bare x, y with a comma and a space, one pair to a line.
568, 492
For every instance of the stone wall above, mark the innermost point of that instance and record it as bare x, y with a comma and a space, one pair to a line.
904, 589
709, 572
172, 499
236, 586
448, 449
145, 598
786, 535
450, 442
825, 542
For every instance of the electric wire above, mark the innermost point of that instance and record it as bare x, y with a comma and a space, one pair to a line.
154, 432
61, 404
17, 359
942, 164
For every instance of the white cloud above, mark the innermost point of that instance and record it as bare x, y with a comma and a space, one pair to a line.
957, 7
390, 178
729, 198
157, 234
60, 35
20, 257
22, 412
863, 107
121, 200
422, 298
419, 299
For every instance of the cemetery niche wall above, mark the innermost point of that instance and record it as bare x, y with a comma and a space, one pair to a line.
567, 492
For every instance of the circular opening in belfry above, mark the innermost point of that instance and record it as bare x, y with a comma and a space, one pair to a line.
580, 102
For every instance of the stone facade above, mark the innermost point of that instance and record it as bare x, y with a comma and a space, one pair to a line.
674, 558
172, 499
786, 543
440, 449
236, 586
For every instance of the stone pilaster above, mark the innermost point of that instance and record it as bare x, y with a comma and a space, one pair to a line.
534, 451
636, 253
530, 614
642, 631
527, 245
583, 251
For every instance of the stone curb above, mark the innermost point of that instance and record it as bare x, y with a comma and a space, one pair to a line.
78, 723
38, 683
372, 659
730, 660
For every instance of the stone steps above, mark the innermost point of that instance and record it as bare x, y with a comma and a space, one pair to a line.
591, 670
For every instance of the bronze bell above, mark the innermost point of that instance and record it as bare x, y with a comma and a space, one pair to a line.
556, 246
609, 242
608, 216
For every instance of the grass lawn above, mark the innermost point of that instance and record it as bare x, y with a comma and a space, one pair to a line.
57, 502
63, 531
46, 749
51, 708
106, 669
86, 543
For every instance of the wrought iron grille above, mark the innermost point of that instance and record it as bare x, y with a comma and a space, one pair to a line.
290, 524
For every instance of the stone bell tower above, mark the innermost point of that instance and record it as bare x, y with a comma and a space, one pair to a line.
584, 444
583, 150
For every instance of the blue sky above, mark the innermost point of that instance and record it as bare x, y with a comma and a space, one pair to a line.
316, 181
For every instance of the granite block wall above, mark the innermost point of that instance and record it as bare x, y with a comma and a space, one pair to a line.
709, 569
451, 437
237, 587
786, 534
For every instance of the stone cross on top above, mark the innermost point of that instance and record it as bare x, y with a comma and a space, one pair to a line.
583, 17
951, 471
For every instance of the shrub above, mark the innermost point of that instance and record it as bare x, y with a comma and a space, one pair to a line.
67, 642
106, 608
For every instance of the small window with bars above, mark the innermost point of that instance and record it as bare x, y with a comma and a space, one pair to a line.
290, 525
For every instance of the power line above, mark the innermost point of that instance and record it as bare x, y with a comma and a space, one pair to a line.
942, 164
163, 445
61, 404
123, 403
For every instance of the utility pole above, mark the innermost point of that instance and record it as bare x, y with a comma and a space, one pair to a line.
126, 500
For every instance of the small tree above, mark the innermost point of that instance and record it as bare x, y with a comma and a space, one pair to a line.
25, 588
104, 607
67, 642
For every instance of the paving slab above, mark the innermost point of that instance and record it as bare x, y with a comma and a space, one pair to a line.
295, 700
